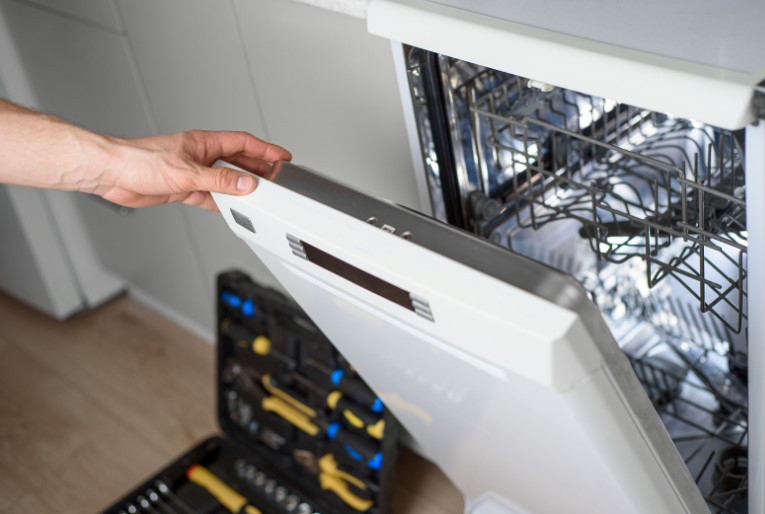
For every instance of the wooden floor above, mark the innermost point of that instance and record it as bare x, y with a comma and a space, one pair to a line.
91, 406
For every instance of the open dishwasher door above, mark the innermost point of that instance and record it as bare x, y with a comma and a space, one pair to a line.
500, 367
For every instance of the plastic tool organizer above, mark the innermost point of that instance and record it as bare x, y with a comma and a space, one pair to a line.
303, 434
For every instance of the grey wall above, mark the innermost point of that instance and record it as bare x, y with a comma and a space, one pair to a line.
312, 81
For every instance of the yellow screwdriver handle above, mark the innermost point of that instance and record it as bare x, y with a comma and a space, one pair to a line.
338, 486
353, 419
261, 345
228, 497
377, 430
291, 414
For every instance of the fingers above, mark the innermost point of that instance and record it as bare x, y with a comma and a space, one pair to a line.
136, 201
222, 180
223, 144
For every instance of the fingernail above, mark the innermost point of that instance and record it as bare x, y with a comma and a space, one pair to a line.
244, 183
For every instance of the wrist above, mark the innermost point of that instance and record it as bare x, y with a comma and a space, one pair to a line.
77, 156
92, 164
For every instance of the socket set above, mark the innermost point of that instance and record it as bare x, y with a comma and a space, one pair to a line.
302, 432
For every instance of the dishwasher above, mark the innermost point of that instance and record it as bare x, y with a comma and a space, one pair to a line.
646, 210
646, 224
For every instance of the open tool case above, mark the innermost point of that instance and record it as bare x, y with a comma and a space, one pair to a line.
303, 434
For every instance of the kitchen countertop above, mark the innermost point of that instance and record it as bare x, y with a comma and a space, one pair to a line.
355, 8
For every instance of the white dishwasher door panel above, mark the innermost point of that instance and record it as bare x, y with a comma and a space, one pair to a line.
501, 368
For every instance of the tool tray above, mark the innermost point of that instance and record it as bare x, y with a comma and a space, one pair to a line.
302, 433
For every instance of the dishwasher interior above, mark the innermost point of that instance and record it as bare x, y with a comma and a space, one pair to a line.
645, 209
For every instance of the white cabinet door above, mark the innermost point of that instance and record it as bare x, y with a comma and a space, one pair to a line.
190, 58
152, 250
329, 94
78, 71
33, 264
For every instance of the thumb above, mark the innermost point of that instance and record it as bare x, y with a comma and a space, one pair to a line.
226, 180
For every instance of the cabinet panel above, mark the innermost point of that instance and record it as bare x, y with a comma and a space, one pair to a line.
152, 249
190, 58
78, 71
100, 12
33, 267
329, 94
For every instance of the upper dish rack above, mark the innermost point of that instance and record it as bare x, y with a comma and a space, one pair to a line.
641, 184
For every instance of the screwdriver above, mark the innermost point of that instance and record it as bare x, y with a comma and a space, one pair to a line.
307, 419
358, 418
354, 388
261, 345
228, 497
246, 306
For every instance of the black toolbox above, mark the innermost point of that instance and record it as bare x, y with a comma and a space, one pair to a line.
302, 433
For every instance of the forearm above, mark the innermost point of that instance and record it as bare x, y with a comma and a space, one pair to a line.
44, 151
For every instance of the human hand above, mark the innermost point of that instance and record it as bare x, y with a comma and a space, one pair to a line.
178, 168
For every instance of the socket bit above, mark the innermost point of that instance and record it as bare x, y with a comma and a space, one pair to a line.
291, 503
280, 494
260, 479
304, 508
231, 404
144, 503
269, 487
241, 467
245, 413
250, 472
